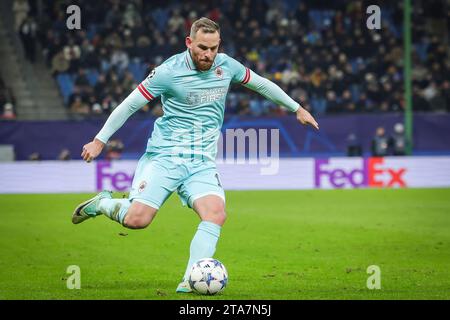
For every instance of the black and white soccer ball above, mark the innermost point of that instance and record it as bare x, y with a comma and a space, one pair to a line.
208, 276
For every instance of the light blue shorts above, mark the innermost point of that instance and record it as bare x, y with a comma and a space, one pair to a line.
157, 176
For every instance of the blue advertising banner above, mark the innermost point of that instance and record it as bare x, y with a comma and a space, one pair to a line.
48, 138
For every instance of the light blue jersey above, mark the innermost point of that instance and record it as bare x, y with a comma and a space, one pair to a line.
193, 103
183, 145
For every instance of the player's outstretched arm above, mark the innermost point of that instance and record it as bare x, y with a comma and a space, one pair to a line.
116, 119
274, 93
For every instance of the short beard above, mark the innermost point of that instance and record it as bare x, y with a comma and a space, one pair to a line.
204, 69
197, 63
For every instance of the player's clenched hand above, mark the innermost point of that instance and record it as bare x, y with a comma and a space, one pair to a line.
304, 117
92, 150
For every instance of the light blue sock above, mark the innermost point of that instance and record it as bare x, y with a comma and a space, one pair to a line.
203, 244
115, 209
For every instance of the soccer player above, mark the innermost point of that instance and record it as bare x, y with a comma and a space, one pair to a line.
181, 151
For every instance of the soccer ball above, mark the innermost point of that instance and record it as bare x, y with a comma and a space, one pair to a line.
208, 276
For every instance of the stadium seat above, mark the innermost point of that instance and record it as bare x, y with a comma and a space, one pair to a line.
319, 105
138, 70
92, 76
92, 31
65, 83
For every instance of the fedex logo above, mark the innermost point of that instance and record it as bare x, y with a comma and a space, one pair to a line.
108, 178
371, 173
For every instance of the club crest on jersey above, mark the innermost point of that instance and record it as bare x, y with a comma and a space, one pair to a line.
219, 73
142, 186
151, 74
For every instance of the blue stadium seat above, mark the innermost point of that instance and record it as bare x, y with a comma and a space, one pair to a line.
421, 49
138, 70
314, 16
319, 105
321, 18
65, 83
356, 92
92, 76
92, 31
160, 17
105, 66
387, 16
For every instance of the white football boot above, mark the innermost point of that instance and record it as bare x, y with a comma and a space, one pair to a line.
89, 208
184, 287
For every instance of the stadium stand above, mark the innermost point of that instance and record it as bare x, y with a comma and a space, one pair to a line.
22, 68
320, 53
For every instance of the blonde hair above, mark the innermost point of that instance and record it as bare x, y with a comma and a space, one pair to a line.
204, 24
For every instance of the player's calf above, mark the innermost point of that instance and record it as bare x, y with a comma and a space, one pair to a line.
211, 210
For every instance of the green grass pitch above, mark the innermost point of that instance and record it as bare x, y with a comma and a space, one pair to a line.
275, 245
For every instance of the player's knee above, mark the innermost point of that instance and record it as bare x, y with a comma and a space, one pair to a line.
221, 218
139, 216
137, 220
211, 209
217, 215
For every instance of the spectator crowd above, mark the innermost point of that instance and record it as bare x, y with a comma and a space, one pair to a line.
320, 52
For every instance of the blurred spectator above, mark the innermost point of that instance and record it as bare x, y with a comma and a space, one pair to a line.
398, 140
346, 101
176, 22
20, 9
128, 83
119, 59
131, 16
64, 155
35, 156
78, 106
446, 89
82, 82
380, 143
320, 49
418, 100
59, 63
332, 103
434, 97
114, 149
243, 107
97, 109
354, 147
72, 54
8, 112
28, 35
6, 102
